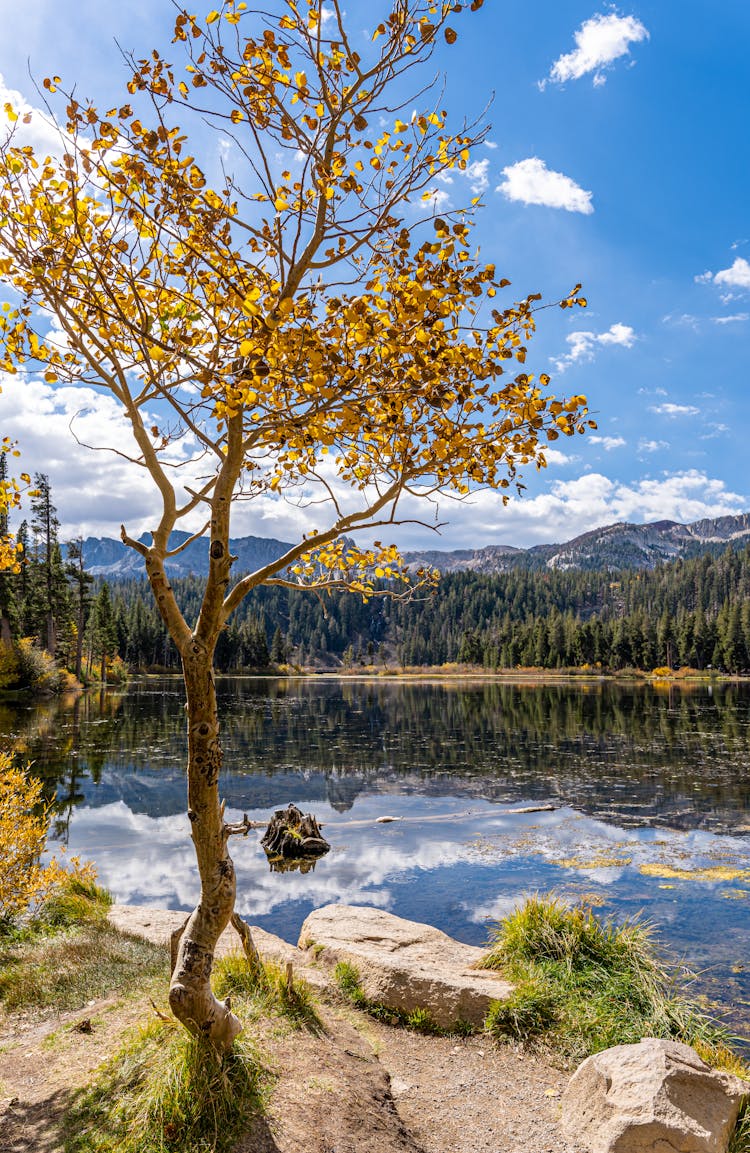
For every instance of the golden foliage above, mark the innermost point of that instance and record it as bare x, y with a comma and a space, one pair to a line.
10, 497
24, 823
303, 322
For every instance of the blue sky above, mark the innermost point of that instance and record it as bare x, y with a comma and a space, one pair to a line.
618, 156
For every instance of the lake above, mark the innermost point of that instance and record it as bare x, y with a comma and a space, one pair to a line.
650, 786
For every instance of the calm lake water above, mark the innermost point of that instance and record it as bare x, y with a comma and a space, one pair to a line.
651, 788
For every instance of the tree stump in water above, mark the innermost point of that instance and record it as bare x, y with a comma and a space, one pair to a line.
293, 836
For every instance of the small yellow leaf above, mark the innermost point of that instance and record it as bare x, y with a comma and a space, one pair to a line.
212, 17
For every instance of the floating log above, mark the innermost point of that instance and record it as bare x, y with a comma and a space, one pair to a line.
293, 836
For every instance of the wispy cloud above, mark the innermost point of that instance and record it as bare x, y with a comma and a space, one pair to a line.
583, 345
715, 429
599, 41
682, 320
674, 410
438, 199
737, 318
607, 442
532, 182
652, 445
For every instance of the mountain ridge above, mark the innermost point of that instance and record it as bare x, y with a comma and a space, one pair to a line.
615, 546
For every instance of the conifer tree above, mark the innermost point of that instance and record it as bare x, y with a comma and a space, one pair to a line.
81, 582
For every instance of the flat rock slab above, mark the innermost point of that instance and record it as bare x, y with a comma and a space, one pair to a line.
405, 965
654, 1097
157, 925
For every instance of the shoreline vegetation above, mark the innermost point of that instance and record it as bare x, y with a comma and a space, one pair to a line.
659, 678
582, 985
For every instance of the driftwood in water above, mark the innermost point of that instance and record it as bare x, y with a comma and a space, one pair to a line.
293, 836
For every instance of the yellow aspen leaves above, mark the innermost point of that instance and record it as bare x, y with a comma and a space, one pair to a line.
299, 312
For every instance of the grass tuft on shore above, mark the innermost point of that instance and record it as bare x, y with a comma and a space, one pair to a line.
77, 900
582, 985
68, 954
167, 1092
257, 993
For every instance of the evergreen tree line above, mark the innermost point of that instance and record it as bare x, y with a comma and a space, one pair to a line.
690, 612
52, 602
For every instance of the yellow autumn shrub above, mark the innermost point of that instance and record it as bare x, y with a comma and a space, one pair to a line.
25, 880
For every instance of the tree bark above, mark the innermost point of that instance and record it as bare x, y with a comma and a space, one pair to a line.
190, 996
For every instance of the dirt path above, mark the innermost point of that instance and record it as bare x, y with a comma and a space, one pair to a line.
362, 1087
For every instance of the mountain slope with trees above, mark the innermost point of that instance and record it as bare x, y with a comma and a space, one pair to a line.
694, 612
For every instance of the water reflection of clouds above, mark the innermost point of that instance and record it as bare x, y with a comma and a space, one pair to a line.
150, 860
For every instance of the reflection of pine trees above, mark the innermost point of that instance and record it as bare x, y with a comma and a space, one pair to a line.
631, 753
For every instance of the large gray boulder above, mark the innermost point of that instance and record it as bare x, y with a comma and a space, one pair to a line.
405, 965
653, 1097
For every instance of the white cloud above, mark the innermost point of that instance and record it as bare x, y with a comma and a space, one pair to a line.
607, 442
554, 456
150, 860
682, 320
476, 174
674, 410
41, 132
571, 507
652, 445
532, 182
737, 318
435, 200
599, 41
94, 491
716, 428
583, 344
738, 276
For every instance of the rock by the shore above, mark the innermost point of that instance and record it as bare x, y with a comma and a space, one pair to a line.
157, 925
405, 965
654, 1097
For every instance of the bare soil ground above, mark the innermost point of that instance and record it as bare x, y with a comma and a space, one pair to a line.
360, 1087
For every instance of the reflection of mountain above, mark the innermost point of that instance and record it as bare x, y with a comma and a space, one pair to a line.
628, 754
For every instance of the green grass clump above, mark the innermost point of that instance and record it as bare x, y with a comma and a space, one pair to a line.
529, 1012
258, 992
583, 985
168, 1092
348, 980
67, 968
77, 901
